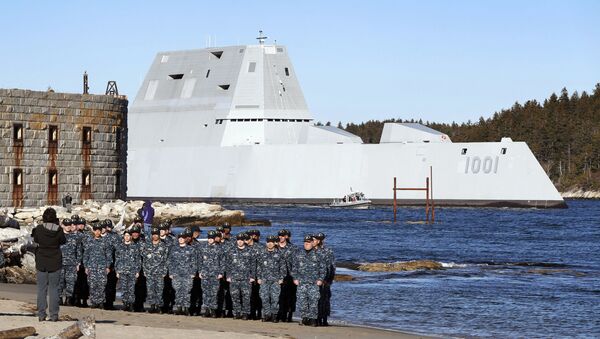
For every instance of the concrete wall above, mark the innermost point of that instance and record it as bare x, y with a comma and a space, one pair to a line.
36, 156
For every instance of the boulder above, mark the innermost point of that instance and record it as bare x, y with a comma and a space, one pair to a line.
17, 275
401, 266
343, 277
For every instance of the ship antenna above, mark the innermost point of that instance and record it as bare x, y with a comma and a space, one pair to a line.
261, 38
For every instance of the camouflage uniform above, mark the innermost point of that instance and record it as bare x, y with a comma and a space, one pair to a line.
82, 288
287, 299
1, 258
182, 267
240, 267
224, 301
168, 292
196, 294
127, 264
328, 261
270, 270
307, 269
111, 239
154, 263
255, 302
71, 257
96, 258
210, 265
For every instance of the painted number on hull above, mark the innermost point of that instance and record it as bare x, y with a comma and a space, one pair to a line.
476, 165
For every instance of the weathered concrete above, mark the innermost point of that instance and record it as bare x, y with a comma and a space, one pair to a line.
33, 152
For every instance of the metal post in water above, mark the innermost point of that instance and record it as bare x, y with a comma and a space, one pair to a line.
395, 199
426, 189
432, 200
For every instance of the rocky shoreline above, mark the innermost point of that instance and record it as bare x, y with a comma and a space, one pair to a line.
580, 194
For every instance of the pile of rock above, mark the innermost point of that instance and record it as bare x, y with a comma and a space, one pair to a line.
123, 212
401, 266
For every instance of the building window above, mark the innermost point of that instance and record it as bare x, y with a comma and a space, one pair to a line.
17, 177
503, 150
251, 67
52, 134
287, 71
86, 135
118, 184
86, 178
224, 87
218, 54
176, 76
118, 139
52, 178
165, 58
18, 132
463, 151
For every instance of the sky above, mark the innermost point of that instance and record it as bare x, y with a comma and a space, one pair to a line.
438, 61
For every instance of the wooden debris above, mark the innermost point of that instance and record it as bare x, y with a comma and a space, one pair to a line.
15, 333
84, 327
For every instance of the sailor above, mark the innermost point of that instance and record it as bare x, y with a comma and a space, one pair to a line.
140, 290
154, 262
70, 263
328, 261
308, 273
210, 266
182, 269
255, 302
168, 293
270, 272
82, 288
240, 270
96, 259
112, 239
287, 299
196, 294
228, 242
127, 266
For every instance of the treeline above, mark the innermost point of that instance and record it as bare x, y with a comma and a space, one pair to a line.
563, 132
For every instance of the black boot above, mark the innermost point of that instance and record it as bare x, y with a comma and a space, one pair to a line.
324, 322
213, 313
207, 313
313, 322
245, 316
289, 317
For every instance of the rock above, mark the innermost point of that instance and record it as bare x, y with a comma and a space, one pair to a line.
580, 194
401, 266
17, 275
343, 277
182, 214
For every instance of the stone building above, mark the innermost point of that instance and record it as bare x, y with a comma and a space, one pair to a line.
55, 144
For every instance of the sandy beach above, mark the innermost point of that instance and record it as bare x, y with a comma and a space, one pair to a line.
17, 303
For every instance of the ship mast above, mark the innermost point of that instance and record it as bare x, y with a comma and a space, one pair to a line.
261, 38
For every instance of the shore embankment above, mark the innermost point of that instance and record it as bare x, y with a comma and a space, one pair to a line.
580, 194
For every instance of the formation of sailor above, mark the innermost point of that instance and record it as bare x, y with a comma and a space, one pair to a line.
224, 276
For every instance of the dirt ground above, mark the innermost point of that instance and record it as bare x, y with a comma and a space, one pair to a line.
17, 304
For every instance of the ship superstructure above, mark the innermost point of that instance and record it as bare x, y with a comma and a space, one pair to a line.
232, 123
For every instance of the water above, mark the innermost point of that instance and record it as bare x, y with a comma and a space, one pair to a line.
509, 272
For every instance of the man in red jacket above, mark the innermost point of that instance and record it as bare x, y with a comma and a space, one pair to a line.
48, 261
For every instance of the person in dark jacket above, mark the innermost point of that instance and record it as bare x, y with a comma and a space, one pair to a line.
48, 262
147, 216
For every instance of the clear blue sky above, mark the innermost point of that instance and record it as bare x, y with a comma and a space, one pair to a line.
356, 60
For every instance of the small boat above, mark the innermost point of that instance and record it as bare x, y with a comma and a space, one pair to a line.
352, 200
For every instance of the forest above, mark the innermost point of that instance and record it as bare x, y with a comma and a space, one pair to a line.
563, 132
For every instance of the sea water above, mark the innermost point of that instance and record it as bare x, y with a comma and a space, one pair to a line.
507, 272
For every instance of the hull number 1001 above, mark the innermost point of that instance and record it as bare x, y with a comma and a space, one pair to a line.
477, 165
